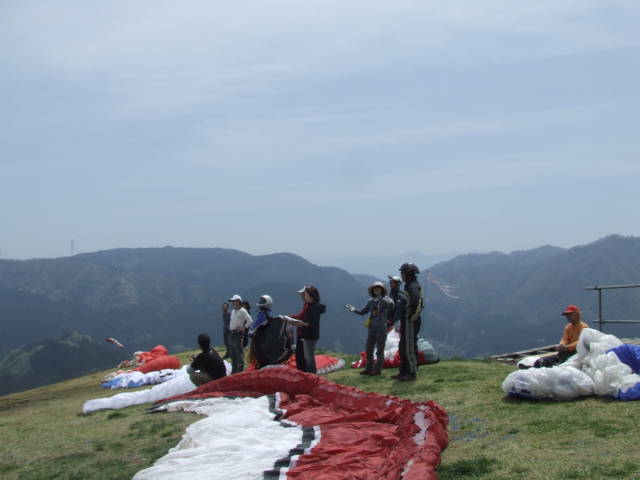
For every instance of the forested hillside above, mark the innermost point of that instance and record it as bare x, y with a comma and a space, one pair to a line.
514, 301
150, 296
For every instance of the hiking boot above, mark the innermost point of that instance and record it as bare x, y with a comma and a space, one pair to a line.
407, 378
376, 373
365, 372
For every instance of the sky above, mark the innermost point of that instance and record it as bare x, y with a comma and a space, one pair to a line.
322, 128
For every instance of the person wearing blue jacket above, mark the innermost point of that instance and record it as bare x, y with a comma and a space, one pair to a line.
381, 311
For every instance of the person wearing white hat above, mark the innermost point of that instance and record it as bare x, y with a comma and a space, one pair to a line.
380, 310
240, 321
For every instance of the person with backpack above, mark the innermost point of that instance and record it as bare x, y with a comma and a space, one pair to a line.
270, 342
380, 310
410, 324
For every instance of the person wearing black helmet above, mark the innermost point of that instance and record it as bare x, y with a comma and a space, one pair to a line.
410, 324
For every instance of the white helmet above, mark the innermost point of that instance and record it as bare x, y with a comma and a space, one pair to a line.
265, 301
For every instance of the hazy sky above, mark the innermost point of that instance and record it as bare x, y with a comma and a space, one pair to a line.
324, 128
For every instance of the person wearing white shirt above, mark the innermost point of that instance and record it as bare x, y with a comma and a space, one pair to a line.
240, 321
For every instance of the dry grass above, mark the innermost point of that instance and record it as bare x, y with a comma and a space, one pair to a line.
491, 437
496, 438
46, 436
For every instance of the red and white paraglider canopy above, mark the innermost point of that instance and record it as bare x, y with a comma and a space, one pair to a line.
281, 423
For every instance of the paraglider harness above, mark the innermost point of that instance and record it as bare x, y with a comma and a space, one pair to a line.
271, 344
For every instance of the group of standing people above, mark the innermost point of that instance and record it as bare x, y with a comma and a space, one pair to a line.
302, 328
384, 310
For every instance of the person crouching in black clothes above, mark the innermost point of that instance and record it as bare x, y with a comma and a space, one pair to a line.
207, 365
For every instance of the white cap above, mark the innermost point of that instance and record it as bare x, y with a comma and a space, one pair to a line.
302, 290
235, 297
395, 278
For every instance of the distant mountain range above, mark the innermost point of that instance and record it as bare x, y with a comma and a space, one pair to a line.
381, 266
514, 301
150, 296
164, 295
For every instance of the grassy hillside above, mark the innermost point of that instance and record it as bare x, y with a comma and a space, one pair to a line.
491, 437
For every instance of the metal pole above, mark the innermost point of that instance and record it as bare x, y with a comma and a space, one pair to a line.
600, 319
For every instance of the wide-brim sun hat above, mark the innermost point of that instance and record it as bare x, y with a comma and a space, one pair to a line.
377, 284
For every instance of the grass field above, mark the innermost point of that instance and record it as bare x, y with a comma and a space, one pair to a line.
45, 435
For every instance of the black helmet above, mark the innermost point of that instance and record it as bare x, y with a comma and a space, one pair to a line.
409, 268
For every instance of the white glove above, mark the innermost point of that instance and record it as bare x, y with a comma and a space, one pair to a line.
349, 307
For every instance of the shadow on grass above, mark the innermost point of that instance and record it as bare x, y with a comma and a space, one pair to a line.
471, 468
513, 399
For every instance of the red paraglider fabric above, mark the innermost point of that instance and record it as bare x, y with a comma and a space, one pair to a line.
324, 363
157, 358
155, 352
393, 362
357, 434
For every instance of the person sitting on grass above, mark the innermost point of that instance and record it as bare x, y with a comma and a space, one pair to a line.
569, 341
381, 310
207, 365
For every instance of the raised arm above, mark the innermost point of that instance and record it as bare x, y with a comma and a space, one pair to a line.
364, 310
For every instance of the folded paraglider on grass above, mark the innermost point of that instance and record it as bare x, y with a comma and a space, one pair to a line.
284, 423
603, 366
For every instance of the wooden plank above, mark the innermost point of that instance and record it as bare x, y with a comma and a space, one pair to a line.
513, 357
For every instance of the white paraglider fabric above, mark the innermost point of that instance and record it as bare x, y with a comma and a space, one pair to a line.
426, 352
135, 379
281, 423
180, 383
590, 371
238, 439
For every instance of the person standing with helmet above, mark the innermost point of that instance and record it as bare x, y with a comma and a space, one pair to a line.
380, 310
270, 343
265, 302
410, 324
